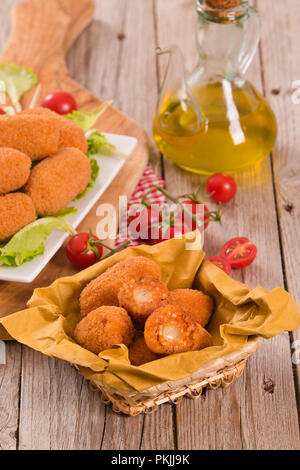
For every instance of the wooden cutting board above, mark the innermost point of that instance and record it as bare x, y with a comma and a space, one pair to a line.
42, 32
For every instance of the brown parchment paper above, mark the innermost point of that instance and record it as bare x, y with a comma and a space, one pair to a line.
241, 312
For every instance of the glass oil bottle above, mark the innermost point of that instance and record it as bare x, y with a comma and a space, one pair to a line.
215, 120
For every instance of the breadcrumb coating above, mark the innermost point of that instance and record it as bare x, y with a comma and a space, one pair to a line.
171, 330
139, 353
35, 135
14, 169
16, 211
104, 289
71, 135
57, 180
140, 297
104, 328
198, 305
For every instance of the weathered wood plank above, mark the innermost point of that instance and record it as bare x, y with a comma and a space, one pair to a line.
122, 432
159, 431
136, 88
9, 397
281, 69
58, 409
242, 416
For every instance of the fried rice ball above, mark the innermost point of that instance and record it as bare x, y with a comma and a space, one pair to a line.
57, 180
104, 328
140, 297
15, 169
139, 353
171, 330
16, 211
71, 135
104, 289
198, 305
35, 135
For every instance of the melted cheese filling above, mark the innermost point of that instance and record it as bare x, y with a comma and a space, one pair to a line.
171, 333
142, 295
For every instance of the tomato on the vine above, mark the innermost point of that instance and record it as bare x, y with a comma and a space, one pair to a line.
143, 223
221, 263
239, 252
221, 188
61, 102
84, 249
193, 207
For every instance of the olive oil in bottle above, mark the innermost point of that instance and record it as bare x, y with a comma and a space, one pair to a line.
215, 120
224, 143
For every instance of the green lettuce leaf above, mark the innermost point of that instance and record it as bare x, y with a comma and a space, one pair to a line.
95, 173
86, 119
17, 80
98, 143
30, 241
66, 212
10, 110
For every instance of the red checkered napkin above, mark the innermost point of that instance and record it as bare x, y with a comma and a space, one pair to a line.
147, 182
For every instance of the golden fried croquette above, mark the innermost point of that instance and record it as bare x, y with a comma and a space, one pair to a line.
16, 211
104, 289
169, 330
104, 328
57, 180
14, 169
139, 353
198, 305
71, 135
140, 297
35, 135
40, 111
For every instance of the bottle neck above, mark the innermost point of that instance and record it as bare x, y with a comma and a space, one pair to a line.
222, 15
226, 48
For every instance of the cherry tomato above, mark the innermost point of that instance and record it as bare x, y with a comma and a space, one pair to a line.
83, 251
143, 223
222, 263
194, 209
61, 102
239, 252
223, 187
2, 112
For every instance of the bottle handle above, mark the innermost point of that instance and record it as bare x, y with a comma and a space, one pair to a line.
175, 93
251, 40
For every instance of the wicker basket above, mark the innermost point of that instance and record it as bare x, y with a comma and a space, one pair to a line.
214, 374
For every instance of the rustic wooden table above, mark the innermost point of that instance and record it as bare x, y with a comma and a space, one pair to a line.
44, 403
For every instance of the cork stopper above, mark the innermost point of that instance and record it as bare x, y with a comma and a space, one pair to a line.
223, 4
222, 11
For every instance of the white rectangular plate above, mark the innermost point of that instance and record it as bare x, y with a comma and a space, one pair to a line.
109, 168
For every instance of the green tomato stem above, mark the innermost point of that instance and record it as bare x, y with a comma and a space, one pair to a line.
116, 250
